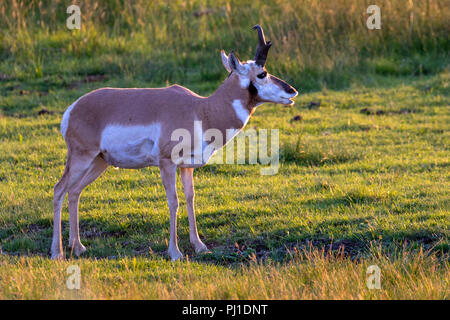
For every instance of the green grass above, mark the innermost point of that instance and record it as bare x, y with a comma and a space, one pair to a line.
363, 177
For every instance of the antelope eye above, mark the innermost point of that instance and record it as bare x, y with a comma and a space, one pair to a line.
262, 75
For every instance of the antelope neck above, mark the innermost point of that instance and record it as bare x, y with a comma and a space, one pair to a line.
229, 107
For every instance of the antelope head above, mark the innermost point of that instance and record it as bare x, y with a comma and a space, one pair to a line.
254, 76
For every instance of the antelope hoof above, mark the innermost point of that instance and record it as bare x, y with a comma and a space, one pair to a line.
201, 248
175, 255
78, 248
57, 256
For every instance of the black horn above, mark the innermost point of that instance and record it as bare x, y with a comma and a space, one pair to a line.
263, 47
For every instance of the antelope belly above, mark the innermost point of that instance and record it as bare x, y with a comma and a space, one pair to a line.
131, 146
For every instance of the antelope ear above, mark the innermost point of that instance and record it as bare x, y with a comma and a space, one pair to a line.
235, 64
225, 60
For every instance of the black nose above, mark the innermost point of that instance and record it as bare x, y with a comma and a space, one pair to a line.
286, 87
290, 90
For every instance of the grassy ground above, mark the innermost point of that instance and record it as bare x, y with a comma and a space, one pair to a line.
363, 177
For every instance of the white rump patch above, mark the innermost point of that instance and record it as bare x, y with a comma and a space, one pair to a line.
241, 112
65, 118
131, 146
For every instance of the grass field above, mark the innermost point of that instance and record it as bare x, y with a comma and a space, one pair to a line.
364, 171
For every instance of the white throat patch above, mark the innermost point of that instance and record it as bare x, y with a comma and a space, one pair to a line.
241, 112
244, 82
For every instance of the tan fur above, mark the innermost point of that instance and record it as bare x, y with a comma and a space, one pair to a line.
172, 108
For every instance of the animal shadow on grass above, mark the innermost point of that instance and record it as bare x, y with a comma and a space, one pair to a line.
140, 234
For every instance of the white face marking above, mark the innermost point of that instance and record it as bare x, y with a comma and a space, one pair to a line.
267, 90
65, 118
241, 112
131, 146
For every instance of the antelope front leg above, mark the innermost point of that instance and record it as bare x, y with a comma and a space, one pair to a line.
187, 177
169, 178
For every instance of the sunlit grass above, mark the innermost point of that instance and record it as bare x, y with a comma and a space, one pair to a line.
364, 153
310, 275
346, 178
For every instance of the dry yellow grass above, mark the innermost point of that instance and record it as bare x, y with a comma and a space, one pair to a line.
310, 275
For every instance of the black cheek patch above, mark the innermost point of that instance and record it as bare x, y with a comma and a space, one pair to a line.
252, 89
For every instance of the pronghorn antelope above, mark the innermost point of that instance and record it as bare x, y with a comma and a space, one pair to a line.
131, 128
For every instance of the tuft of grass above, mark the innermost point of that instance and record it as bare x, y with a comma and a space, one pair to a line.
311, 274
